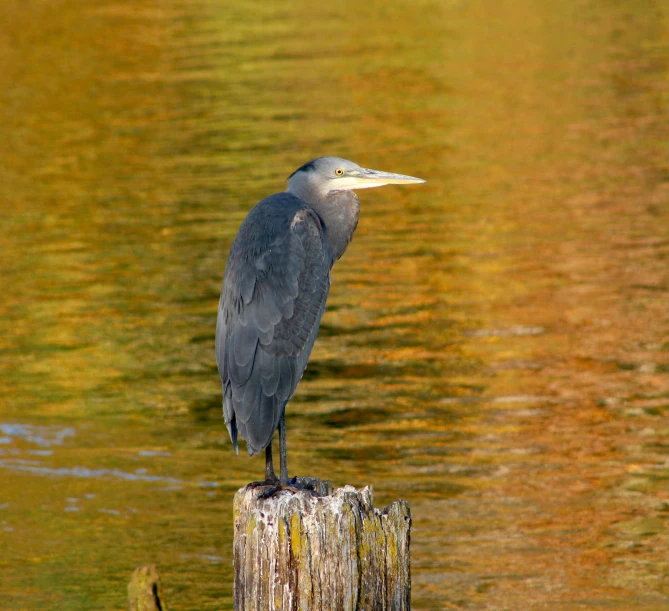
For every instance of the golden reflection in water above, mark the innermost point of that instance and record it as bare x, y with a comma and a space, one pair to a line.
495, 349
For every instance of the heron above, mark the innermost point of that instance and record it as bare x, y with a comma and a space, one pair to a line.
276, 284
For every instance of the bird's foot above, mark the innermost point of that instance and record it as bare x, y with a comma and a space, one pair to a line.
290, 485
266, 482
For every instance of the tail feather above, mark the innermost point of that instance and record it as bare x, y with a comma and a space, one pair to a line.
230, 418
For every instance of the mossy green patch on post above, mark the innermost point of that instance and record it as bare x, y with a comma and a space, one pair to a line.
296, 535
251, 525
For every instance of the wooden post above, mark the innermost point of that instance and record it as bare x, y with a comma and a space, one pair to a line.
326, 551
145, 592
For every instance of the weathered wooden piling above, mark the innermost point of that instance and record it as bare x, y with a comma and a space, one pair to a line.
320, 551
145, 592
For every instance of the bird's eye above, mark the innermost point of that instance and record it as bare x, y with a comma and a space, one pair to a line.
339, 172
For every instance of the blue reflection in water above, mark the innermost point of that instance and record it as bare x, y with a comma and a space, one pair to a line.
86, 472
41, 435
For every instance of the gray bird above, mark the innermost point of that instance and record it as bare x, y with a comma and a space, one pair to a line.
276, 284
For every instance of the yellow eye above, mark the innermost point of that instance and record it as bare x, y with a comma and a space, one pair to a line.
339, 172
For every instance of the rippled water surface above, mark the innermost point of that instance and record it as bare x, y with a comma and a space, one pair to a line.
496, 347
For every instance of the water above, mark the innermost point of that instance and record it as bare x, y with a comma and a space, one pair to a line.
495, 349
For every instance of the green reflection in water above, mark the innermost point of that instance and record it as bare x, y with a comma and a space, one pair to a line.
495, 349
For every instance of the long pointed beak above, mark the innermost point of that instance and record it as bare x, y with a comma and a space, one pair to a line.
367, 179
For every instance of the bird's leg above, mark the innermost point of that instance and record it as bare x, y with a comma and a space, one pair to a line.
270, 476
284, 483
282, 450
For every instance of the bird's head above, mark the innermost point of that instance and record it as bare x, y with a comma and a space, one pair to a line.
325, 174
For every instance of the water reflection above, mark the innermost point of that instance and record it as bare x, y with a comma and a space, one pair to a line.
495, 348
43, 436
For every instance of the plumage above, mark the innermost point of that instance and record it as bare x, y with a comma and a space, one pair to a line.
267, 320
276, 284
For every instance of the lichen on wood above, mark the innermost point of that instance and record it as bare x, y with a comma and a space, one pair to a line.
323, 550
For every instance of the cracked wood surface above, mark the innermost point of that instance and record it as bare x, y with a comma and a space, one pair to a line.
326, 550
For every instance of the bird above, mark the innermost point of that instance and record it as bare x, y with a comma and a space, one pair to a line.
275, 287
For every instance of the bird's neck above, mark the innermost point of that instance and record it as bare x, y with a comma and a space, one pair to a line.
339, 212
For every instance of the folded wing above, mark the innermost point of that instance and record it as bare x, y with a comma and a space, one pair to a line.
273, 298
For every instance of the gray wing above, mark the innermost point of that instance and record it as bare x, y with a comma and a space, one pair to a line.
276, 283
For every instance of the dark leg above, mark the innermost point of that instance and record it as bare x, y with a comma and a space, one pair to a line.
282, 450
270, 476
284, 483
